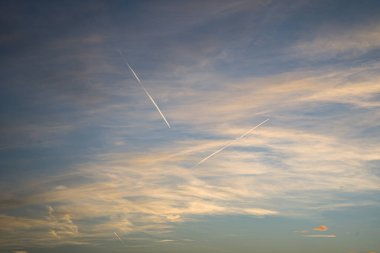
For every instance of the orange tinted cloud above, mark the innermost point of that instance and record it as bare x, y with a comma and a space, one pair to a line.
321, 228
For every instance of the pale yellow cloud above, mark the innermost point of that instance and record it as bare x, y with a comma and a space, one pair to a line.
54, 234
166, 241
230, 104
39, 230
154, 189
259, 212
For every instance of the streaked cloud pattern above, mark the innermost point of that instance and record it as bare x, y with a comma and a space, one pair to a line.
87, 161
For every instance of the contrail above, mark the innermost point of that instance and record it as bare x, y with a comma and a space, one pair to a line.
231, 142
118, 237
142, 86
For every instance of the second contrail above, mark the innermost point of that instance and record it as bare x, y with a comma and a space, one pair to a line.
231, 142
118, 237
142, 86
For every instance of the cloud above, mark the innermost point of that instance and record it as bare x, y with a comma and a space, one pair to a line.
154, 188
54, 234
320, 236
301, 231
60, 188
39, 231
321, 228
338, 41
62, 224
33, 135
166, 240
260, 212
86, 40
317, 141
175, 241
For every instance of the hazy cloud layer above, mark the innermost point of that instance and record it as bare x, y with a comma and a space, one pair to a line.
86, 159
286, 159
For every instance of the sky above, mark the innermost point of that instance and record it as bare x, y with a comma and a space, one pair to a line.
190, 126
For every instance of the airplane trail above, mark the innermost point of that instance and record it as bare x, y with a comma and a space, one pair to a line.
231, 142
118, 237
142, 86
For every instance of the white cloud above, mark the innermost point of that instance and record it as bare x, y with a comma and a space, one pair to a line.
320, 236
166, 240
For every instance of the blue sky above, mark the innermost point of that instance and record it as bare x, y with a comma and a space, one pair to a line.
88, 164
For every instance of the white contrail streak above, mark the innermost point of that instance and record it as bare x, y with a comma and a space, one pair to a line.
142, 86
231, 142
118, 237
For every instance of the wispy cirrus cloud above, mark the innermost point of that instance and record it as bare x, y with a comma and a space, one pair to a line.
312, 156
132, 191
345, 42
